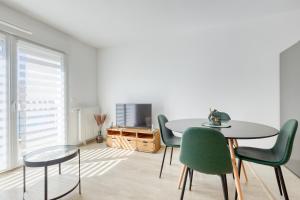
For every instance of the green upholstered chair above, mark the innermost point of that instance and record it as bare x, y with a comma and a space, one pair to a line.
224, 118
205, 150
168, 138
275, 157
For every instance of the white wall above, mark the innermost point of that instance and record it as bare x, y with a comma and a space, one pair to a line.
234, 68
290, 97
81, 60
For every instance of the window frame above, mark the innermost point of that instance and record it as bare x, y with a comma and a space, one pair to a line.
11, 55
8, 109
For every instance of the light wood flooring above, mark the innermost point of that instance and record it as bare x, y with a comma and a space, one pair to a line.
122, 175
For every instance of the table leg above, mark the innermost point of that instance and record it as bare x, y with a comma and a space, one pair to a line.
46, 182
24, 180
243, 166
79, 171
235, 170
182, 173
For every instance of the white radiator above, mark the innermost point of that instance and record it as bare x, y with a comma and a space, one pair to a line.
86, 126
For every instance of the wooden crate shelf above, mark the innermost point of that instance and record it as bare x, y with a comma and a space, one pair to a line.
144, 140
145, 136
128, 134
113, 132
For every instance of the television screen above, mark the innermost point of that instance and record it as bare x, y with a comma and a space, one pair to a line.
134, 115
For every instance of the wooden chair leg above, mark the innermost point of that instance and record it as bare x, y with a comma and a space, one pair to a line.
243, 167
239, 169
286, 197
235, 170
162, 163
278, 180
224, 185
171, 155
184, 184
182, 174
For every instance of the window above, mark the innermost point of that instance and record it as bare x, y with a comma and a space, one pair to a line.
40, 97
32, 99
3, 104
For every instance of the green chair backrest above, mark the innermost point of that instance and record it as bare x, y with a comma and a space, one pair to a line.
166, 133
284, 143
205, 150
223, 116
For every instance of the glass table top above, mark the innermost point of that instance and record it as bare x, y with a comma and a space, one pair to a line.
49, 154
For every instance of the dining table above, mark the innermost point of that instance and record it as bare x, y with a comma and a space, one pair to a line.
232, 130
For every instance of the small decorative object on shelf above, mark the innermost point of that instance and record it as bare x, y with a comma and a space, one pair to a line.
100, 119
214, 118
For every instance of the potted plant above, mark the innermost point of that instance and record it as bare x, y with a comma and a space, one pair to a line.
100, 119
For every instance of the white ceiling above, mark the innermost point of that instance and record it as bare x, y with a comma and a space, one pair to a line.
111, 22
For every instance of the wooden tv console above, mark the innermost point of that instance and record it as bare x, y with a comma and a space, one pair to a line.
145, 140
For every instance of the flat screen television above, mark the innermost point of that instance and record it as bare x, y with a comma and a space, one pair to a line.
134, 115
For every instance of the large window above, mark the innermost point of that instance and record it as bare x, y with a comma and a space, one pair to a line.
32, 99
40, 97
3, 104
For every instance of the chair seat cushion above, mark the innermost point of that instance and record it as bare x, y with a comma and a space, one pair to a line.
173, 141
257, 155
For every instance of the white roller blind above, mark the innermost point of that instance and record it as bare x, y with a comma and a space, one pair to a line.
41, 101
3, 104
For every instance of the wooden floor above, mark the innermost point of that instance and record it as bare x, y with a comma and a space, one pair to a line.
120, 174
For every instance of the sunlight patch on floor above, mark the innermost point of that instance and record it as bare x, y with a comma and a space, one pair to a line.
94, 162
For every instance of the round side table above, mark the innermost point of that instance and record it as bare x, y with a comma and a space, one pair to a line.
51, 156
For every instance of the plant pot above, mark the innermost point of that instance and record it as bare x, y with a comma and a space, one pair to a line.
99, 139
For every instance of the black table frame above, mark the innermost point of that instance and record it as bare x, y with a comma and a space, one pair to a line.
58, 161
